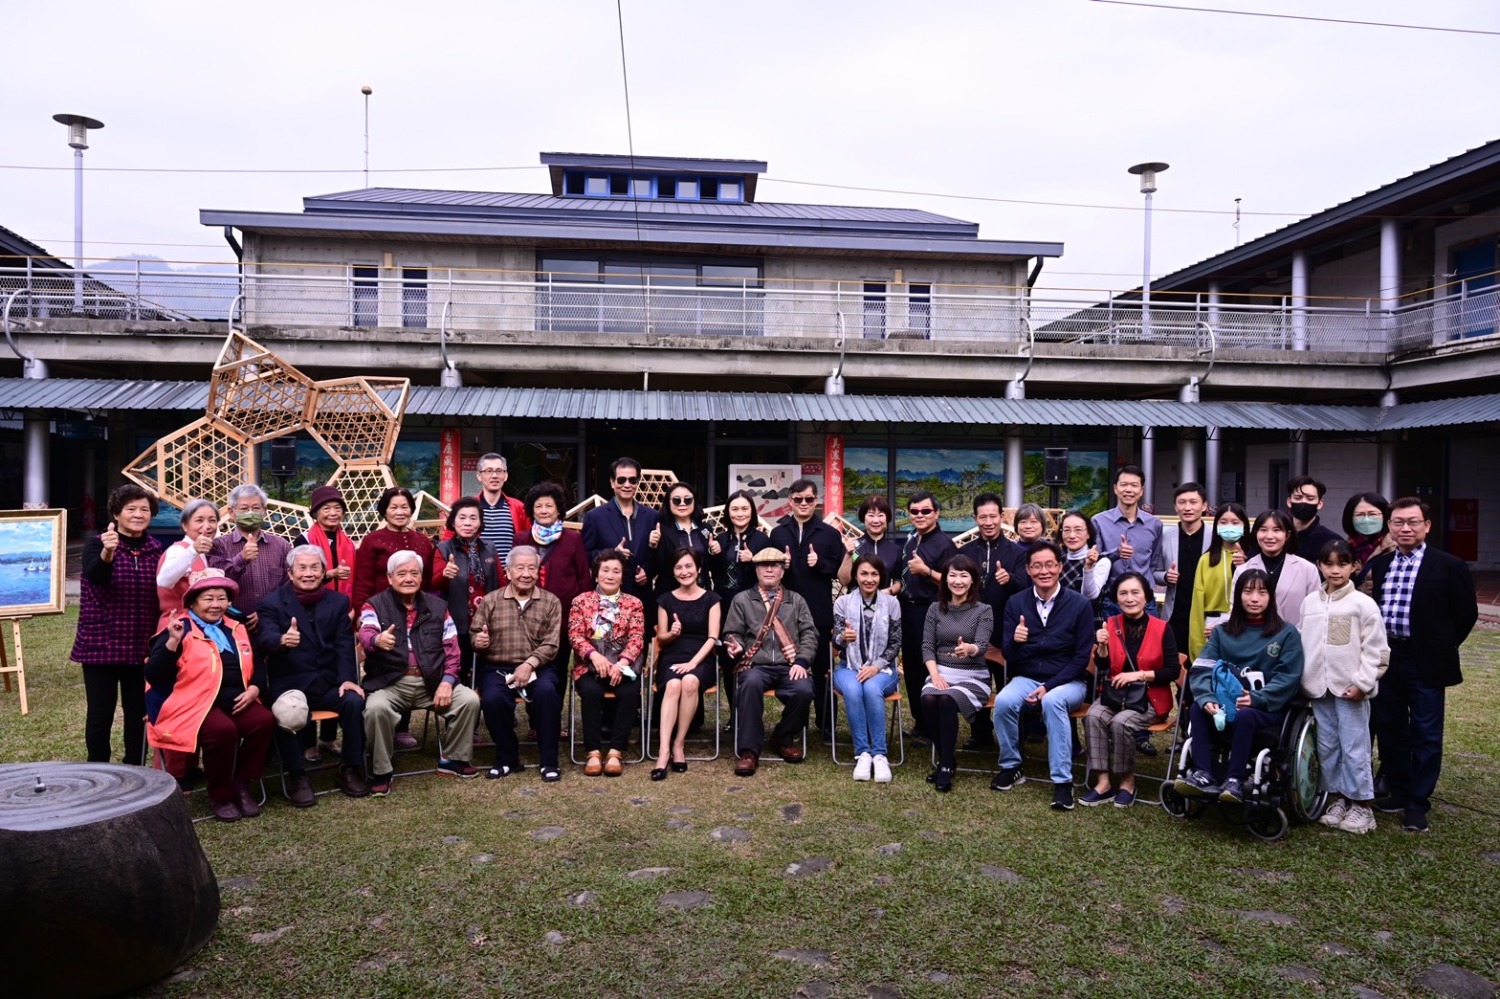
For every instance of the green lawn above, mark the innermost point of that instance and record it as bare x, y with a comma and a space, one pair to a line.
445, 888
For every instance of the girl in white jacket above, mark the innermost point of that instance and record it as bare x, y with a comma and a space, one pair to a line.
1343, 640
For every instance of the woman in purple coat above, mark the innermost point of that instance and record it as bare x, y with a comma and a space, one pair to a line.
116, 618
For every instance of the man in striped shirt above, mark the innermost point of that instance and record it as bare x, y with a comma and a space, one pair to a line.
504, 517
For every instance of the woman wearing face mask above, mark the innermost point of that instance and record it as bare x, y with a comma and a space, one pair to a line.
729, 559
875, 514
117, 615
1365, 517
396, 507
1292, 576
687, 629
679, 526
1255, 640
467, 567
867, 630
1136, 660
1083, 570
954, 641
1215, 576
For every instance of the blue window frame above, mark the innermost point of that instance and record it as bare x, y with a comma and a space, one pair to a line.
414, 297
364, 296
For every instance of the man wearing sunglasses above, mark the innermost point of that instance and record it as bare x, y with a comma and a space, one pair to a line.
924, 555
625, 525
816, 551
504, 517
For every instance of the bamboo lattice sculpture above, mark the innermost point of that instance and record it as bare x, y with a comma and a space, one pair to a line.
254, 396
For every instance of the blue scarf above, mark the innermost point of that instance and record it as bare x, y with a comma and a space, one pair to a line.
217, 633
546, 535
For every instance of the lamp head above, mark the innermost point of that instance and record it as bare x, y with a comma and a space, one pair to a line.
1147, 172
78, 128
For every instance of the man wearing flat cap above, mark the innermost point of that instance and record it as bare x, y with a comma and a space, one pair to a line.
770, 633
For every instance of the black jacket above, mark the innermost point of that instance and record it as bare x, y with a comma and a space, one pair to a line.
1443, 611
815, 584
322, 660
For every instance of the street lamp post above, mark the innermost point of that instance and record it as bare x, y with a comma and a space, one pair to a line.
78, 139
1147, 172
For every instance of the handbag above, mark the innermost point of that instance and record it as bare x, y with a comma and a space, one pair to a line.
1132, 696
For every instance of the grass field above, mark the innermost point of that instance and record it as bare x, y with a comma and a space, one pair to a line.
515, 888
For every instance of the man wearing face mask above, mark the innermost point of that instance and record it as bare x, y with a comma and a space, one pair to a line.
254, 559
1304, 498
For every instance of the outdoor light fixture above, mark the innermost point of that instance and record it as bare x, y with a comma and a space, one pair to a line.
1147, 172
78, 139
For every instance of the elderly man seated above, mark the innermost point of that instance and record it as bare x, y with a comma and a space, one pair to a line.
308, 648
412, 662
770, 633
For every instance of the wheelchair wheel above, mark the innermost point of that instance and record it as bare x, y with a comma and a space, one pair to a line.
1304, 777
1178, 806
1269, 824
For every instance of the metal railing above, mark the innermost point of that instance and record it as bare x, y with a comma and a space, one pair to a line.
1006, 317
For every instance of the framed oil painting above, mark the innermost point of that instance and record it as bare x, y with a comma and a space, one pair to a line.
33, 562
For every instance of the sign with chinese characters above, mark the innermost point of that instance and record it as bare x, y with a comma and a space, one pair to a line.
450, 471
833, 475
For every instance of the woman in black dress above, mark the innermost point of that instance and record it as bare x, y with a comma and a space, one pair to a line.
687, 629
729, 557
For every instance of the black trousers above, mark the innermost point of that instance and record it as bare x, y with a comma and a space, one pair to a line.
796, 695
498, 702
627, 710
351, 709
101, 685
1409, 717
913, 667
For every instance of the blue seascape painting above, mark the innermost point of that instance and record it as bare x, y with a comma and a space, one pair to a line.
26, 563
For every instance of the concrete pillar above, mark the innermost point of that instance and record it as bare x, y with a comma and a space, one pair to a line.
1299, 300
1390, 280
1015, 448
1213, 304
1148, 466
1211, 456
35, 436
1297, 459
1187, 438
1385, 455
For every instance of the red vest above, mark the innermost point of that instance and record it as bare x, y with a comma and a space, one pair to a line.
1148, 660
199, 676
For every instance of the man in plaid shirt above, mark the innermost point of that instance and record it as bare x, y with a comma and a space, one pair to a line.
1427, 600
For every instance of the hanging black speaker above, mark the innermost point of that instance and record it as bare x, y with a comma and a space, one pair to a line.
284, 457
1055, 471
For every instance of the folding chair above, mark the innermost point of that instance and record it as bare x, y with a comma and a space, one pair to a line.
893, 725
574, 722
313, 718
772, 694
650, 708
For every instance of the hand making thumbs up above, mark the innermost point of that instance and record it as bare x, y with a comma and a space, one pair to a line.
482, 637
450, 571
1172, 575
386, 640
655, 536
962, 649
849, 634
291, 638
111, 541
1021, 631
676, 628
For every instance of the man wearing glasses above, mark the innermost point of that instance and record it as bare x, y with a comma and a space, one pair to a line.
504, 517
625, 525
924, 556
816, 551
1427, 600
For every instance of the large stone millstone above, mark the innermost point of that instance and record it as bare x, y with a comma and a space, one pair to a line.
103, 884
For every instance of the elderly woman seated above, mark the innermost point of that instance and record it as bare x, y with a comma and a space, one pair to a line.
203, 692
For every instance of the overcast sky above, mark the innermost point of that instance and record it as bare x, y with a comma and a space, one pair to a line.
1024, 100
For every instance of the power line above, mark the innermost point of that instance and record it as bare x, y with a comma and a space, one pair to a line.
629, 126
1302, 17
106, 169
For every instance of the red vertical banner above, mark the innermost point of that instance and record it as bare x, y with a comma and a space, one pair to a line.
450, 470
1463, 529
833, 474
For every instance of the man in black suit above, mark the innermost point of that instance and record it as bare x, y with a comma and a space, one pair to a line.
1428, 602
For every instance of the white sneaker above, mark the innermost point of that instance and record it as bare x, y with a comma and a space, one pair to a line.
1359, 819
1334, 817
882, 770
862, 767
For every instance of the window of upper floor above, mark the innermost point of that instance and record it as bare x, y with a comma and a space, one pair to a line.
658, 187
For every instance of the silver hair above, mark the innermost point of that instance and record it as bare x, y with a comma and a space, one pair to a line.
193, 506
398, 559
245, 491
301, 550
510, 559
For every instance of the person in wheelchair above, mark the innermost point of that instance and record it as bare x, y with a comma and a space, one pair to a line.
1266, 653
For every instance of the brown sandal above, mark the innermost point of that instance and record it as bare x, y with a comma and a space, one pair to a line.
615, 766
594, 767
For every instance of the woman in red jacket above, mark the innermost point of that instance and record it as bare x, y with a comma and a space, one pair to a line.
1136, 662
203, 692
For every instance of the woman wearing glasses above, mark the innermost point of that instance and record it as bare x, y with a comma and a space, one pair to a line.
679, 526
729, 560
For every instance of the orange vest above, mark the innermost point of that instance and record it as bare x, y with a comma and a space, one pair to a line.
170, 597
199, 677
1149, 659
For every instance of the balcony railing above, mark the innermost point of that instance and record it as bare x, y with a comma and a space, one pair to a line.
1005, 317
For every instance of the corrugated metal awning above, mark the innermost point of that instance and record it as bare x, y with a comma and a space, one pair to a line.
769, 407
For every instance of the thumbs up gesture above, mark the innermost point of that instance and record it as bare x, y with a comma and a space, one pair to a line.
482, 637
849, 634
1172, 575
964, 650
386, 640
676, 628
450, 571
655, 536
251, 549
1092, 556
713, 546
812, 556
291, 638
111, 540
1126, 551
1021, 631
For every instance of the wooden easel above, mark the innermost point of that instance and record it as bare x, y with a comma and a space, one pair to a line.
19, 669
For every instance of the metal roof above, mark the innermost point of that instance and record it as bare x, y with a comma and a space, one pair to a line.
756, 407
13, 244
625, 161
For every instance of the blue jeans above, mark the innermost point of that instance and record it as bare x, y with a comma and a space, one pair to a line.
1344, 746
864, 703
1056, 704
